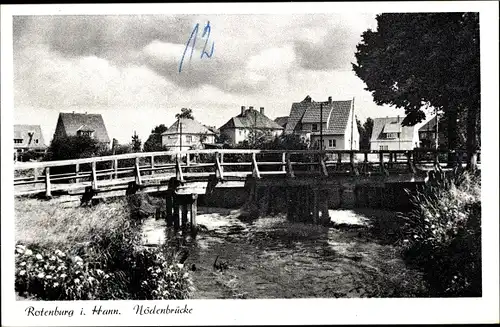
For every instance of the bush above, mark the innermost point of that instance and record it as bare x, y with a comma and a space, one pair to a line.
91, 254
443, 234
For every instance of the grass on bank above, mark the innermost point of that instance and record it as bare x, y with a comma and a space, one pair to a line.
91, 253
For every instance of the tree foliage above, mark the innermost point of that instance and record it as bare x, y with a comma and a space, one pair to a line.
414, 61
136, 143
154, 142
186, 113
365, 133
73, 147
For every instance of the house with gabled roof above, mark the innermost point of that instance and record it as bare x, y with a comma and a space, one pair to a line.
389, 134
427, 134
185, 134
239, 128
28, 138
334, 121
77, 124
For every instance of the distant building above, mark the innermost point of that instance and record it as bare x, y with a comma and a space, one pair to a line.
281, 121
71, 124
28, 138
389, 134
239, 128
186, 134
339, 129
427, 135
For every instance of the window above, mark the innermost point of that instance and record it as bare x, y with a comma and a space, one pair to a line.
18, 141
332, 143
391, 135
314, 127
384, 147
189, 138
36, 141
85, 133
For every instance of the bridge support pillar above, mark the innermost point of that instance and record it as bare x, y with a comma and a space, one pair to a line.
315, 207
194, 210
184, 215
176, 212
168, 207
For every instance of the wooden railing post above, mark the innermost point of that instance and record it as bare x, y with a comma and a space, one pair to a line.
77, 172
219, 170
35, 173
353, 164
283, 162
48, 192
94, 176
365, 163
289, 165
322, 165
255, 168
115, 165
152, 164
383, 171
339, 160
178, 169
411, 166
137, 170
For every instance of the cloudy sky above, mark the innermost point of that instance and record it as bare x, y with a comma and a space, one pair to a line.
127, 67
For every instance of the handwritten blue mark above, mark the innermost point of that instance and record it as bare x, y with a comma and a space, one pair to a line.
192, 42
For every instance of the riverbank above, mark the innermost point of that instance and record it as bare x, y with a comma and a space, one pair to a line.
270, 257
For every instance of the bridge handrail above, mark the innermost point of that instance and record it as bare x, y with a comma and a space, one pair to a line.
58, 163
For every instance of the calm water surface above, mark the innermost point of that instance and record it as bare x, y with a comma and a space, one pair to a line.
271, 258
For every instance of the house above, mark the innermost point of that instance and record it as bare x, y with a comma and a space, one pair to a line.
334, 120
389, 134
28, 138
281, 121
240, 128
186, 134
427, 134
71, 124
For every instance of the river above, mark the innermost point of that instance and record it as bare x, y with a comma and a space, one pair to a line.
269, 257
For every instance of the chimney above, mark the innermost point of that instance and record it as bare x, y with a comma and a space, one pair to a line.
242, 110
251, 107
73, 112
329, 100
262, 110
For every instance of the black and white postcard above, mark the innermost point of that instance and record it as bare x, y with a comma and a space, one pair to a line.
247, 164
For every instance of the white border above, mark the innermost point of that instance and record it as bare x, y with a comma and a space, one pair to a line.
299, 311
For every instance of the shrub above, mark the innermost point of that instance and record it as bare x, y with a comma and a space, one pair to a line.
443, 234
91, 254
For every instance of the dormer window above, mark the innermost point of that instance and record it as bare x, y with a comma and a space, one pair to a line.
18, 141
314, 127
85, 133
391, 135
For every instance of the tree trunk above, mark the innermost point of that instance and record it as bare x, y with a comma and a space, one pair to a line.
471, 139
452, 135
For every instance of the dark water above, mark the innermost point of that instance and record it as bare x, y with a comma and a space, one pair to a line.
272, 258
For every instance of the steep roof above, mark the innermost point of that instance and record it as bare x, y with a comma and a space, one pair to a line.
189, 126
429, 126
282, 121
73, 122
335, 113
251, 119
390, 125
29, 134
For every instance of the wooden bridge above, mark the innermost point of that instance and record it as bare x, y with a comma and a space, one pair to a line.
182, 176
197, 171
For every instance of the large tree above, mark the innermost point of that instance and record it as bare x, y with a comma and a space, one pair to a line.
185, 113
365, 133
153, 143
420, 60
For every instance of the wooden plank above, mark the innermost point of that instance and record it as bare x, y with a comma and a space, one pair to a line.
178, 170
194, 211
219, 171
289, 166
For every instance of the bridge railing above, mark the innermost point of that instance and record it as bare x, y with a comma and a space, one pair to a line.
45, 177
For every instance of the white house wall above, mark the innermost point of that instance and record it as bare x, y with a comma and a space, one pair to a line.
174, 140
